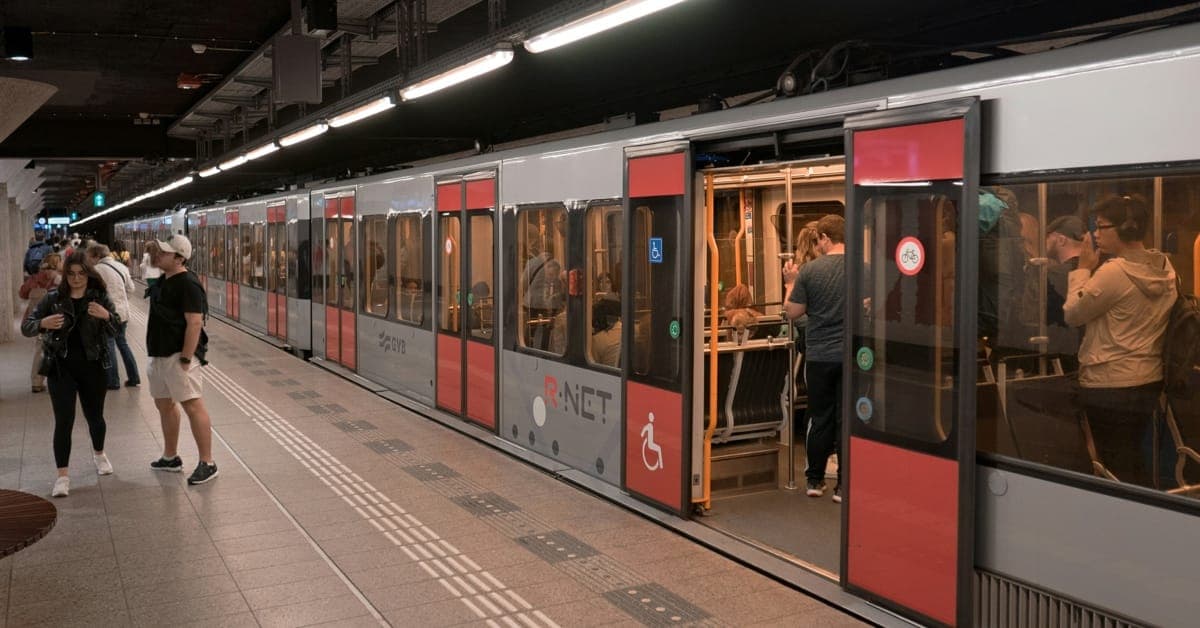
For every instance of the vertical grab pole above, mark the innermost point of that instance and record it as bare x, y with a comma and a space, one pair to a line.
714, 322
789, 419
737, 241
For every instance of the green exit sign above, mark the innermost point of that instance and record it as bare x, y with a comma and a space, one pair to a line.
98, 199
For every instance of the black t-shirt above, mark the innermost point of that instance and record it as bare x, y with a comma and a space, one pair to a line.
75, 350
169, 301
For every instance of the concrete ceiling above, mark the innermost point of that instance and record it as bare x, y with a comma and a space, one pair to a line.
116, 60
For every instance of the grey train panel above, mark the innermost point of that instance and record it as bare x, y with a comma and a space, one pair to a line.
397, 194
252, 308
216, 296
398, 356
299, 324
570, 414
1132, 558
594, 172
318, 329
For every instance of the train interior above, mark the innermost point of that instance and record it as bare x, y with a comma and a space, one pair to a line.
1027, 355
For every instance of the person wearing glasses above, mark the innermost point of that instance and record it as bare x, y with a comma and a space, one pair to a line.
75, 321
1123, 305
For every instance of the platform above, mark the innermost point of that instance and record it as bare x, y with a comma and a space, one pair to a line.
336, 506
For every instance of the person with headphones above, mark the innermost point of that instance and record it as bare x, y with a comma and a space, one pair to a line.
1124, 305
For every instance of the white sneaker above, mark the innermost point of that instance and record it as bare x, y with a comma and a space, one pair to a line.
103, 466
62, 487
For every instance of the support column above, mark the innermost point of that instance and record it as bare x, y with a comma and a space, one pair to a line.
10, 269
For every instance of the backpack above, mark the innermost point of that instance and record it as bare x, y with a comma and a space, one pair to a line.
33, 259
1181, 345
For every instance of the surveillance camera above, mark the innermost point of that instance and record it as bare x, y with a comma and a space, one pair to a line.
199, 48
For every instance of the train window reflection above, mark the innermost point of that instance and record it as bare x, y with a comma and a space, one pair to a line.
480, 300
319, 256
449, 295
659, 326
1071, 371
542, 285
605, 250
408, 269
374, 266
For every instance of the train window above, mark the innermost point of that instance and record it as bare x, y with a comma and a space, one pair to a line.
1071, 361
541, 287
449, 293
408, 269
299, 260
258, 256
659, 324
277, 258
605, 252
375, 286
347, 261
216, 251
233, 253
481, 302
318, 261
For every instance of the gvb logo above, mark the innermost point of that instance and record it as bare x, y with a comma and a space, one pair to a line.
650, 449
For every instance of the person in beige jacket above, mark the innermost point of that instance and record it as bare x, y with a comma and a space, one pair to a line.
1123, 305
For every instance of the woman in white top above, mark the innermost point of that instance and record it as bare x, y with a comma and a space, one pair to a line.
150, 272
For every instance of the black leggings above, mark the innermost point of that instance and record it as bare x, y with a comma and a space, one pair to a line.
88, 380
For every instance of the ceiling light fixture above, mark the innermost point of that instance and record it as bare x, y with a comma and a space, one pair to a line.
178, 183
262, 151
226, 166
600, 21
209, 172
16, 43
362, 111
303, 134
465, 72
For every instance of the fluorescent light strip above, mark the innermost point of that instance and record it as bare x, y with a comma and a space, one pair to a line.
178, 183
262, 151
600, 21
304, 134
363, 111
209, 172
226, 166
465, 72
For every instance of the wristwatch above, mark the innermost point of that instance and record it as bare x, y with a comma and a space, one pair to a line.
185, 360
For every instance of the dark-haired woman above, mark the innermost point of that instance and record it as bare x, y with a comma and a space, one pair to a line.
75, 321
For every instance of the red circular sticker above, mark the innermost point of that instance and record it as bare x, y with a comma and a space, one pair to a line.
910, 256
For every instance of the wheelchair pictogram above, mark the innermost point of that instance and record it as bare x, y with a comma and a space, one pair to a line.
648, 444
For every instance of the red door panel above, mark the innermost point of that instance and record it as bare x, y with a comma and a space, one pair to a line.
349, 357
281, 312
271, 313
481, 384
333, 342
654, 444
449, 373
481, 194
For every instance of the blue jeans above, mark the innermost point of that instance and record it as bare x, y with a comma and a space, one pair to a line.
116, 343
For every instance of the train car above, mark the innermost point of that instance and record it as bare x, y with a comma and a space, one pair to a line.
565, 302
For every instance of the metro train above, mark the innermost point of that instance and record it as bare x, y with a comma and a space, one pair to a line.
564, 299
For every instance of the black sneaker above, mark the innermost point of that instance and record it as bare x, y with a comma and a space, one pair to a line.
174, 465
204, 472
837, 494
815, 489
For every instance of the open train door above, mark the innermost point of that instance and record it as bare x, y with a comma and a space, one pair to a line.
657, 313
908, 399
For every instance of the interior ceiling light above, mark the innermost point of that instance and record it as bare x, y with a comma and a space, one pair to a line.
232, 163
209, 172
600, 21
362, 111
262, 151
465, 72
304, 134
16, 43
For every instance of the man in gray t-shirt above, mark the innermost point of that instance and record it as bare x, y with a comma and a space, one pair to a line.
820, 292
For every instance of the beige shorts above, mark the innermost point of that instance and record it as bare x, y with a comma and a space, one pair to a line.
169, 378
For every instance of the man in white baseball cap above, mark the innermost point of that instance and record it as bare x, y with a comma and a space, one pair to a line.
174, 333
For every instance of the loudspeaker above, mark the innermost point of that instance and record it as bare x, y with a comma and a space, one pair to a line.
321, 15
296, 63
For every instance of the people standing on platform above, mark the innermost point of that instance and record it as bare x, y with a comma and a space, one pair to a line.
34, 290
37, 251
150, 270
820, 293
120, 286
75, 321
174, 334
1123, 305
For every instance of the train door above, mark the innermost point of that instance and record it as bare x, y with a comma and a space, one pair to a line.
910, 359
341, 286
277, 271
658, 369
466, 286
233, 247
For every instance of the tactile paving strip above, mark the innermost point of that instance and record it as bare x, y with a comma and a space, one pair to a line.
354, 426
431, 472
486, 504
304, 394
557, 546
389, 446
654, 605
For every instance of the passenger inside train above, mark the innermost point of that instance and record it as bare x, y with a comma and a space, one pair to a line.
606, 331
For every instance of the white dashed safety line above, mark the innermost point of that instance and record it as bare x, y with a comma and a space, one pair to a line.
481, 592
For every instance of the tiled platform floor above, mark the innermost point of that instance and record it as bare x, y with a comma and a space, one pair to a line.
337, 507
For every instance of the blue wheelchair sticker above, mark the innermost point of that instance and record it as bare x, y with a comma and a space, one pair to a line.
656, 250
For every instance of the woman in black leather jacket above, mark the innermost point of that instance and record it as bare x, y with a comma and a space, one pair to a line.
75, 321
